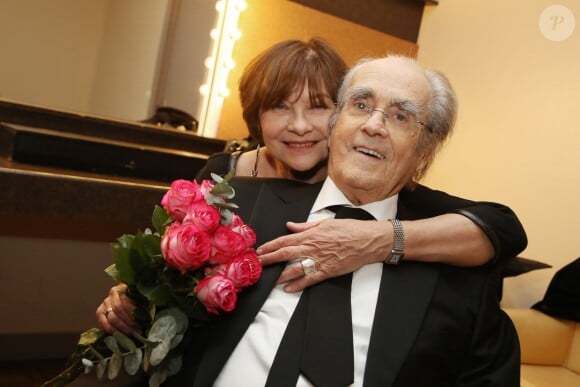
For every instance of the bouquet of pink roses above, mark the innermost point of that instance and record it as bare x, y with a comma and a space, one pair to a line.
196, 262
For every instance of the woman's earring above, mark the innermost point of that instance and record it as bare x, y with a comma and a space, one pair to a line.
254, 172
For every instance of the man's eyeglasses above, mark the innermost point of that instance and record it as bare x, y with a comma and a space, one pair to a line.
400, 120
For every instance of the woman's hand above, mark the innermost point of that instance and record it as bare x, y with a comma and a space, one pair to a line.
115, 313
338, 246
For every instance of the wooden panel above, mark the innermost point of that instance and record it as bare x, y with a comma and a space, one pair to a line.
400, 18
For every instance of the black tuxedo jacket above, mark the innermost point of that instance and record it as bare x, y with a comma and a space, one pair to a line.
435, 325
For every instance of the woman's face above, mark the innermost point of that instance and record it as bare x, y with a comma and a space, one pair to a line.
296, 134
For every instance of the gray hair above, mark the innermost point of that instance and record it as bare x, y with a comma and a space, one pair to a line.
441, 111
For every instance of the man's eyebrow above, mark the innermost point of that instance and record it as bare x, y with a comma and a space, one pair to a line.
359, 92
407, 106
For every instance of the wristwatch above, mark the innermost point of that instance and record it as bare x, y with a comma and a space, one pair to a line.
398, 250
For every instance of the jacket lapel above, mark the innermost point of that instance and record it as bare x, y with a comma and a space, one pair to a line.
404, 297
277, 202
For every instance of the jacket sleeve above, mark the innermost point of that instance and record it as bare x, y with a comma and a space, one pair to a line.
497, 221
494, 356
217, 163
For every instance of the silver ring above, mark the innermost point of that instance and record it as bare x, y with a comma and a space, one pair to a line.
109, 310
309, 266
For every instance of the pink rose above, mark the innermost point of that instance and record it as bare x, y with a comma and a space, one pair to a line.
236, 221
247, 234
226, 244
217, 292
244, 270
203, 216
206, 187
185, 246
180, 196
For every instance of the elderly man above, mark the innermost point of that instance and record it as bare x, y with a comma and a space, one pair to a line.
413, 324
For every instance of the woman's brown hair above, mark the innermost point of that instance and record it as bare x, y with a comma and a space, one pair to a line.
283, 69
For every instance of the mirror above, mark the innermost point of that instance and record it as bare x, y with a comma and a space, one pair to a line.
110, 58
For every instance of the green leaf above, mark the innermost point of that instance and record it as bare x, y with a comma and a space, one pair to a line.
159, 295
151, 245
160, 219
113, 272
91, 336
132, 361
123, 265
125, 240
115, 364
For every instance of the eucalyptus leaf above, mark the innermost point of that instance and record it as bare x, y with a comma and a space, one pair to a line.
115, 364
159, 353
174, 365
112, 344
157, 378
124, 341
217, 178
132, 361
101, 369
227, 217
163, 328
175, 341
178, 316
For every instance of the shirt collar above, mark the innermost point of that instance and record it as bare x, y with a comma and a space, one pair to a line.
330, 195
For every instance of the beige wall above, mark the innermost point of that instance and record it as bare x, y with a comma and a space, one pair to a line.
264, 23
517, 140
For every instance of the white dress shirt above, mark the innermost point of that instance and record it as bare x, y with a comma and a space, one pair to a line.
251, 360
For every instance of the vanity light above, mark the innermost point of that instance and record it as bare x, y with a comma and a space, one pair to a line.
219, 64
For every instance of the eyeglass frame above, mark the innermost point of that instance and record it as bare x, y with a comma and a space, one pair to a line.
359, 95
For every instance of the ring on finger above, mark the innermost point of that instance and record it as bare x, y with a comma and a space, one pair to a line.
107, 311
309, 266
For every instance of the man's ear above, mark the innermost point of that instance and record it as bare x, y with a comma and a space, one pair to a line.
422, 162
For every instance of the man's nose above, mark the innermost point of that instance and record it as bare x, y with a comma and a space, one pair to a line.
376, 124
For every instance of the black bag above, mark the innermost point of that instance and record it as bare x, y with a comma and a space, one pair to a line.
562, 298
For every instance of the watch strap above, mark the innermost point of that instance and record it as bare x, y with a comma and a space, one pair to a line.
398, 250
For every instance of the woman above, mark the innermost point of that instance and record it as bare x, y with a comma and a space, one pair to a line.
288, 95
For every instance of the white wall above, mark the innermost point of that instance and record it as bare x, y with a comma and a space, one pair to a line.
130, 58
49, 50
517, 140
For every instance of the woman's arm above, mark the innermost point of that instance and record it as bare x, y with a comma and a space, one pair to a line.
442, 228
217, 163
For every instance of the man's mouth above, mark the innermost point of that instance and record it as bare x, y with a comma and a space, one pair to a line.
369, 152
